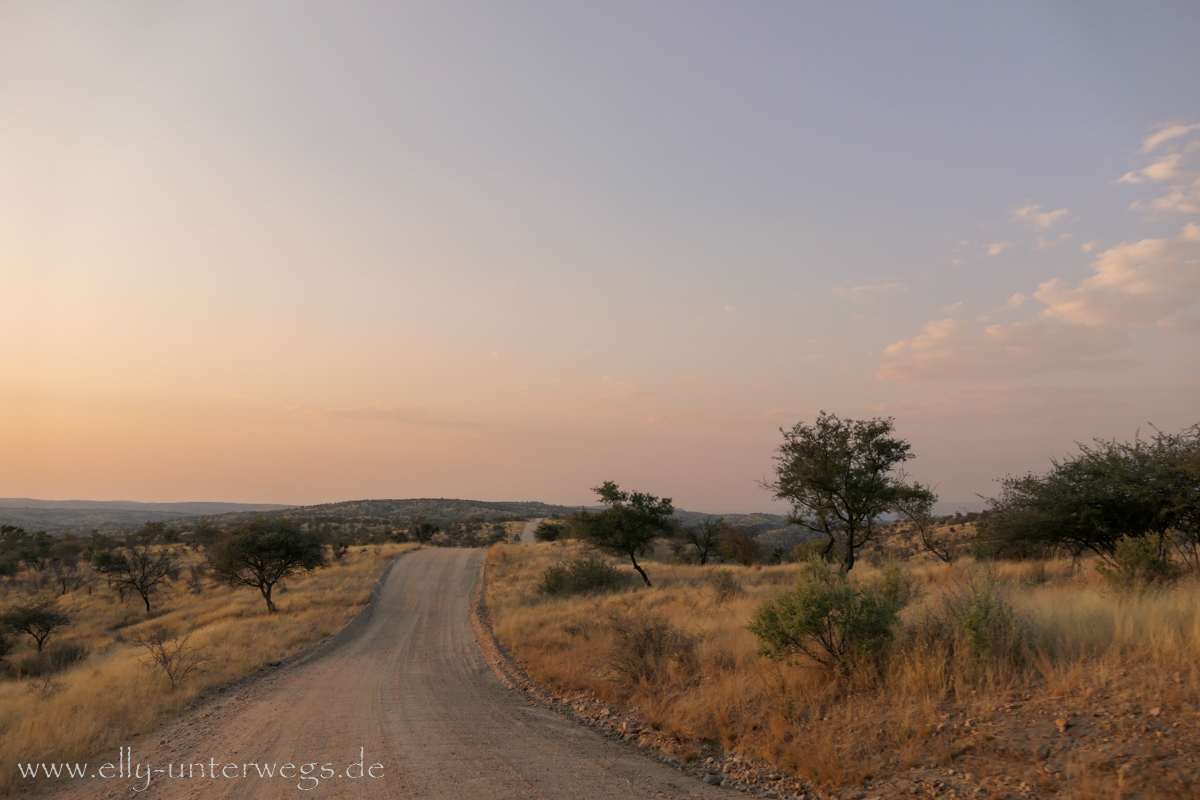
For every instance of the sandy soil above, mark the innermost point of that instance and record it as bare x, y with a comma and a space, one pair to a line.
406, 685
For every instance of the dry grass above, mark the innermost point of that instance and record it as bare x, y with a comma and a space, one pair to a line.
113, 694
1079, 652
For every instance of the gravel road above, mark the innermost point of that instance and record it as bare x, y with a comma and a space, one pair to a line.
527, 531
406, 685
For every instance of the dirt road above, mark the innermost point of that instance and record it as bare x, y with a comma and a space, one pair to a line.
527, 531
406, 685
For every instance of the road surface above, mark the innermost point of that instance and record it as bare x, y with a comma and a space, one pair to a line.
406, 685
527, 531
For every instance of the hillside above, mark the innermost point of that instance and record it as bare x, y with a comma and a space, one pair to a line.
83, 516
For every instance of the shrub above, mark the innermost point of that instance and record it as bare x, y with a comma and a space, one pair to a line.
548, 531
54, 658
170, 653
647, 648
829, 619
1140, 563
589, 573
724, 586
989, 626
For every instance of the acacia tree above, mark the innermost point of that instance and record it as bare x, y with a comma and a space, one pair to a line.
630, 524
1089, 501
137, 569
38, 621
705, 537
264, 551
842, 477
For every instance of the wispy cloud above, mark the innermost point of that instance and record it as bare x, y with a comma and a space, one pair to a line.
1178, 145
1044, 242
996, 248
1167, 132
861, 292
1040, 220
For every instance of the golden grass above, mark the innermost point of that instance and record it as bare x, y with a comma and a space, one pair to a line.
112, 694
1085, 645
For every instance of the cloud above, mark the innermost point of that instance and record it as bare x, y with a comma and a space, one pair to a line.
950, 309
1016, 301
1040, 220
1183, 199
996, 248
1088, 247
1173, 165
1164, 169
860, 292
1042, 242
1171, 131
1146, 284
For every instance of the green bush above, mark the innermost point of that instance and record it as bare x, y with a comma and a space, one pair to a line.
1140, 563
549, 531
589, 573
988, 624
829, 619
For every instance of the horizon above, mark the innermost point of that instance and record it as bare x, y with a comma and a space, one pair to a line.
436, 249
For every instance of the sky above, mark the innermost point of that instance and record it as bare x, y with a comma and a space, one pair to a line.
303, 252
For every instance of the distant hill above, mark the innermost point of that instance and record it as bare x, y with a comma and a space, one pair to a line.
82, 516
368, 512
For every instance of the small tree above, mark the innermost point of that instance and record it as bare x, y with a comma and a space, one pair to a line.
138, 569
172, 654
264, 551
841, 477
705, 537
38, 621
422, 530
740, 546
630, 524
548, 531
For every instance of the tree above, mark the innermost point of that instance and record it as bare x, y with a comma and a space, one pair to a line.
422, 530
739, 546
1091, 500
704, 537
264, 551
137, 569
39, 621
841, 477
549, 531
630, 524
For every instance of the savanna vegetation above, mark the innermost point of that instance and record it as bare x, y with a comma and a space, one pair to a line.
1049, 646
102, 637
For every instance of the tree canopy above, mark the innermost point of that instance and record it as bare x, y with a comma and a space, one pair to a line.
630, 523
137, 569
1108, 490
842, 477
265, 550
39, 621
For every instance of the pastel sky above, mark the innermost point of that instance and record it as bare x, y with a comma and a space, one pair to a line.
304, 252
